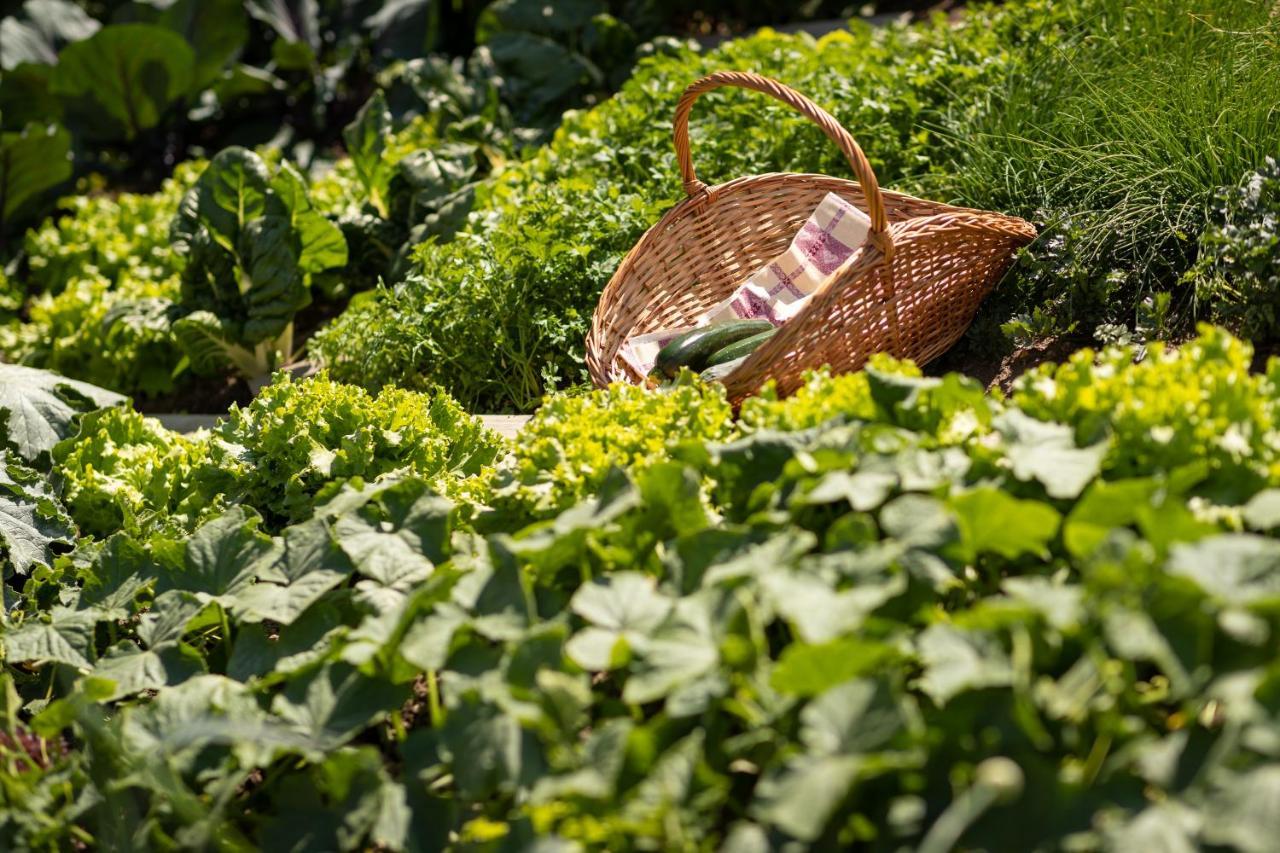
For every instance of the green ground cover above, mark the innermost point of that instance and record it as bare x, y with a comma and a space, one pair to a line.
891, 610
482, 265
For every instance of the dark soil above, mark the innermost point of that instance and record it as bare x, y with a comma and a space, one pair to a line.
216, 395
1000, 372
213, 395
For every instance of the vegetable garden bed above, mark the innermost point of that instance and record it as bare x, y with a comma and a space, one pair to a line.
891, 611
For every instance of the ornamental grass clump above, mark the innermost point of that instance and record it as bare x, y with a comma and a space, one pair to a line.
1118, 135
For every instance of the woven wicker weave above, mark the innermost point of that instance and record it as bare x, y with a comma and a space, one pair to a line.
911, 290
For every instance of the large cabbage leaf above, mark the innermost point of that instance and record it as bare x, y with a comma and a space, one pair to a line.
39, 408
33, 525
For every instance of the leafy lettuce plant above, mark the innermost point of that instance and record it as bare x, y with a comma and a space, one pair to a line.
108, 234
100, 282
1195, 404
300, 439
297, 444
124, 471
251, 241
112, 333
571, 444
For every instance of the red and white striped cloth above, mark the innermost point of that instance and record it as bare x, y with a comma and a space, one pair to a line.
778, 290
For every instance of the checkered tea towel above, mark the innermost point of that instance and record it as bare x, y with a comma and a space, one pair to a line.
778, 290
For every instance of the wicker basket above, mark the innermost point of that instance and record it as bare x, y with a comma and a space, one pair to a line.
911, 290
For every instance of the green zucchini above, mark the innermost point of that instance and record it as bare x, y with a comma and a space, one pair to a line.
692, 349
717, 372
738, 349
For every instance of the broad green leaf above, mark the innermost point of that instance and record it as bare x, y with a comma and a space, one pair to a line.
41, 29
268, 250
32, 523
25, 98
216, 31
1134, 635
134, 670
1104, 507
399, 551
806, 669
39, 408
683, 654
1243, 815
1262, 512
167, 620
1047, 452
918, 520
230, 193
116, 577
1061, 605
1236, 568
308, 640
210, 345
863, 490
540, 73
485, 747
622, 612
67, 637
205, 709
222, 558
816, 611
295, 21
991, 521
498, 596
668, 783
307, 565
597, 776
32, 162
122, 80
426, 644
855, 717
958, 661
920, 470
780, 550
801, 798
366, 141
560, 541
1171, 521
1167, 827
354, 783
334, 703
321, 245
435, 178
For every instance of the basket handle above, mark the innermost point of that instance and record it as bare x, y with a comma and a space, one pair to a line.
823, 119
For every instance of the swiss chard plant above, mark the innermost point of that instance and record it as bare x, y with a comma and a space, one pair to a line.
251, 241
